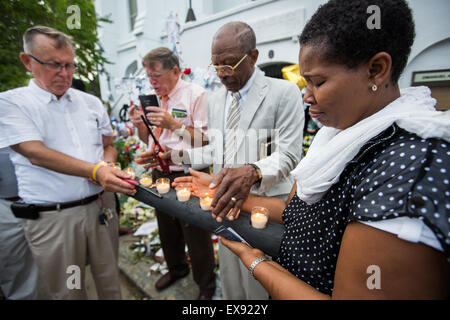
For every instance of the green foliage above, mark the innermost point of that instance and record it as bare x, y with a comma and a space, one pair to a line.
18, 15
124, 153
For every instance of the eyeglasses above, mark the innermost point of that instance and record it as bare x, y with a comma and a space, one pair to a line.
226, 69
157, 75
56, 67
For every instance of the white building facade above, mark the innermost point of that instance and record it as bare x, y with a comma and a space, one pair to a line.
140, 26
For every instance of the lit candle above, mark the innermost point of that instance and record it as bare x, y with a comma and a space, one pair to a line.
163, 185
116, 165
205, 202
183, 194
131, 172
145, 181
259, 217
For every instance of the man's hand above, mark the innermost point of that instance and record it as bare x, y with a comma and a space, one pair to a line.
135, 115
198, 181
111, 180
233, 186
162, 119
147, 159
168, 154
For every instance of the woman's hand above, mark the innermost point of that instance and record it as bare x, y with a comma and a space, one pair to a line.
243, 251
198, 181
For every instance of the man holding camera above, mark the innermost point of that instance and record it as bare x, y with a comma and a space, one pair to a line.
180, 123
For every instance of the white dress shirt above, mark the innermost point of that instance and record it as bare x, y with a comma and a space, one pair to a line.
243, 92
73, 125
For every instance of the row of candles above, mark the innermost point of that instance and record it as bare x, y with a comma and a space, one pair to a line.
259, 215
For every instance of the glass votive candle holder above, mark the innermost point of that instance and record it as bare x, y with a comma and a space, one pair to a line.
116, 165
145, 180
131, 172
163, 185
205, 201
259, 217
183, 193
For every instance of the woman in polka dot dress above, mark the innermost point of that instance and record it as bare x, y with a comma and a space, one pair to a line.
369, 215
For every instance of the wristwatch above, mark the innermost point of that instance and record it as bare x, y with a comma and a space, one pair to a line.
180, 132
258, 172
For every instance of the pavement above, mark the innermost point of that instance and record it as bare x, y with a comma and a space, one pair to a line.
128, 289
138, 275
137, 283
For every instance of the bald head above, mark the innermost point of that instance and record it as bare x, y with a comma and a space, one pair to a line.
241, 32
234, 53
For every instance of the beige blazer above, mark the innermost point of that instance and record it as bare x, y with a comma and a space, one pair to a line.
273, 112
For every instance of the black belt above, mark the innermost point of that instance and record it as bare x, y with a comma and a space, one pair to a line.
70, 204
13, 199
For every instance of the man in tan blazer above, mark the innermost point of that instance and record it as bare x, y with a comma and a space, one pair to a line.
258, 134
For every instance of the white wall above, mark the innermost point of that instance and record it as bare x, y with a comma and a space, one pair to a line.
271, 17
432, 27
198, 35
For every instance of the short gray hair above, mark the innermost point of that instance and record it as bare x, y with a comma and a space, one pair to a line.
61, 39
163, 55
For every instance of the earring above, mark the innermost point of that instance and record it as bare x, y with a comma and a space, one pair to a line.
374, 88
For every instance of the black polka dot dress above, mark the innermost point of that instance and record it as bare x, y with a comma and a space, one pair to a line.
395, 174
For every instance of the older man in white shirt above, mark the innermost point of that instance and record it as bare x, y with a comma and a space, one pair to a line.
59, 135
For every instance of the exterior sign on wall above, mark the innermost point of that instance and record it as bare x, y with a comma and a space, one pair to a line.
432, 78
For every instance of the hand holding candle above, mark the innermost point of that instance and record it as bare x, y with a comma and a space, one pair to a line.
259, 217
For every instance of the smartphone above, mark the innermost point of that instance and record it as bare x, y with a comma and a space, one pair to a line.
229, 234
148, 100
